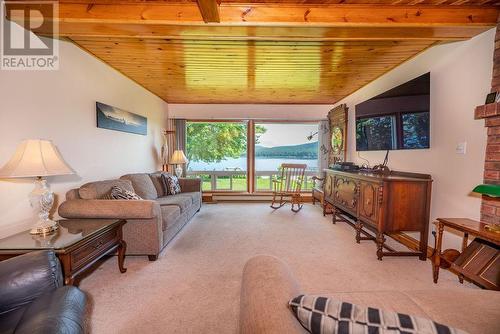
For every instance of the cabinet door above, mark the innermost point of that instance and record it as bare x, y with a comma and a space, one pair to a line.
368, 201
346, 194
328, 189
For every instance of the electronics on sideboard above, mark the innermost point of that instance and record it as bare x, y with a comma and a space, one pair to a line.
345, 166
352, 167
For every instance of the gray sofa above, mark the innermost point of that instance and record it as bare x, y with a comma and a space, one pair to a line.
151, 223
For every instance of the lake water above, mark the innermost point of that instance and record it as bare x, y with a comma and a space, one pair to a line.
241, 164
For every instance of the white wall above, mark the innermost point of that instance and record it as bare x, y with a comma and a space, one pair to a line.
460, 79
461, 75
60, 106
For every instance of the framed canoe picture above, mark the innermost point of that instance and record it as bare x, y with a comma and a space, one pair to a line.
117, 119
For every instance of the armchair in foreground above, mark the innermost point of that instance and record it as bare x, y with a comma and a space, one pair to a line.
34, 300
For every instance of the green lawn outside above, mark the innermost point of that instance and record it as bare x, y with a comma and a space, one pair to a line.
240, 183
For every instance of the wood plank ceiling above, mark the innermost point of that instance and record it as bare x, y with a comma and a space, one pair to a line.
270, 52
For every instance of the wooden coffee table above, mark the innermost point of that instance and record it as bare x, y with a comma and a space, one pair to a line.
78, 243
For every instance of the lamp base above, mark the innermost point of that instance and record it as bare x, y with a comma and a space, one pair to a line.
42, 200
44, 227
178, 171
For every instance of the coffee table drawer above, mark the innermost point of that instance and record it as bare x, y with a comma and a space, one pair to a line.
82, 255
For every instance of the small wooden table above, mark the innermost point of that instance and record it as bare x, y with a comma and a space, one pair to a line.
78, 243
464, 262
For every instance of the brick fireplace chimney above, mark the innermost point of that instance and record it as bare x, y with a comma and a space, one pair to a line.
490, 207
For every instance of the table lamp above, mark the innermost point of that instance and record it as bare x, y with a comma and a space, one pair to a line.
38, 159
178, 158
490, 190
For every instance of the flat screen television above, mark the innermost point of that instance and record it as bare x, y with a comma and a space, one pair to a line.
398, 119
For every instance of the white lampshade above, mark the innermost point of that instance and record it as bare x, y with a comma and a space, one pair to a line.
178, 158
35, 158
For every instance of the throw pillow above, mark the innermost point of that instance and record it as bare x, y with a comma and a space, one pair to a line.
321, 315
120, 193
171, 184
163, 180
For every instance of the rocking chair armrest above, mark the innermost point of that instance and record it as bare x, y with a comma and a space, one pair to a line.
317, 178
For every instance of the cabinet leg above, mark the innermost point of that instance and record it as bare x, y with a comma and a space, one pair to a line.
358, 226
436, 261
380, 245
324, 209
435, 271
334, 215
121, 256
423, 245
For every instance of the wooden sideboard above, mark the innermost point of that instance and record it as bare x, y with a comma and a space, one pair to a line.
383, 203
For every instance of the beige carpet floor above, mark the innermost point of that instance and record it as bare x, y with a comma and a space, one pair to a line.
194, 285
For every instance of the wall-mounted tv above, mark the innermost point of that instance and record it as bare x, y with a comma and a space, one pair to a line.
397, 119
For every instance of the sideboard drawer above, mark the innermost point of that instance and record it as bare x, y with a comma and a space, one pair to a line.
345, 193
92, 249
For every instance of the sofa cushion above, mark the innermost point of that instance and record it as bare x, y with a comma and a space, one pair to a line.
266, 287
181, 200
322, 315
195, 197
480, 307
156, 178
9, 320
143, 185
169, 214
59, 311
73, 194
99, 189
171, 184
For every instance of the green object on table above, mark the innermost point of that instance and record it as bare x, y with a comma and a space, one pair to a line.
491, 190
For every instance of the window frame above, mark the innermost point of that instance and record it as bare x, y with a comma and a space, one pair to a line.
250, 122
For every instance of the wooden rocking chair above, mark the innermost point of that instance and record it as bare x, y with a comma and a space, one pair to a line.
289, 184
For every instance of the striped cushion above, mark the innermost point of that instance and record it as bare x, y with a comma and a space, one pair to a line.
321, 315
120, 193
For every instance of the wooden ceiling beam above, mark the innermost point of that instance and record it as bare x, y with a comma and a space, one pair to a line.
209, 10
274, 22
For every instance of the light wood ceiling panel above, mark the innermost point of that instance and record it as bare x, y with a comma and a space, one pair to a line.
312, 2
237, 51
251, 71
376, 2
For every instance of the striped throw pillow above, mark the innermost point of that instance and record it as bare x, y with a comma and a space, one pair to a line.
321, 315
120, 193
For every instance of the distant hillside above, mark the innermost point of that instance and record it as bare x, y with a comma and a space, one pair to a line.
303, 151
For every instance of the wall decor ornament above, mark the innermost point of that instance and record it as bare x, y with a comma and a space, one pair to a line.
164, 152
337, 119
117, 119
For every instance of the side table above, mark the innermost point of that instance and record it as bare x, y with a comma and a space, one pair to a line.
78, 243
478, 261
